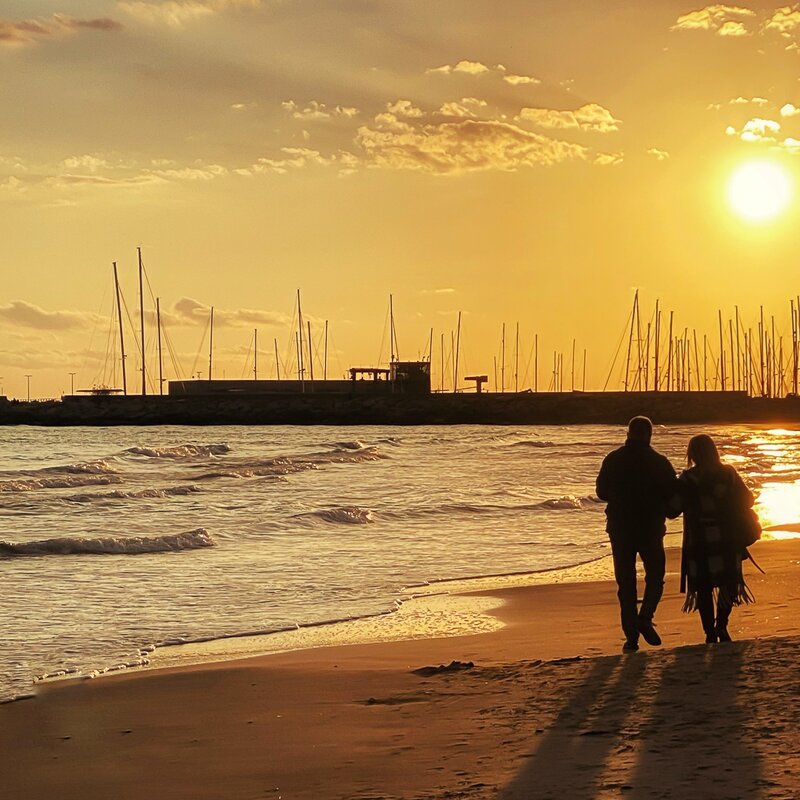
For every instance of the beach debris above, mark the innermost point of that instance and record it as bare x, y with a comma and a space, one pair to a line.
453, 666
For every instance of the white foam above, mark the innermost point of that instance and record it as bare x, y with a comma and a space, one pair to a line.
110, 545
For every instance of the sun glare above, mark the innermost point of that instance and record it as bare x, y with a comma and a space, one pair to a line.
759, 190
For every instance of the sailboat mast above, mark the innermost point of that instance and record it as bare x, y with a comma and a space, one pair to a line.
310, 351
121, 333
630, 339
325, 356
255, 354
277, 361
300, 365
536, 362
211, 344
516, 360
503, 359
458, 346
657, 338
160, 359
669, 354
391, 330
141, 320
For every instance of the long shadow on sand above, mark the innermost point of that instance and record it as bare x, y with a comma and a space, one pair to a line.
697, 741
662, 725
570, 758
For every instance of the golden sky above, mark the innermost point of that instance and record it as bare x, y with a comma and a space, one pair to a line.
527, 162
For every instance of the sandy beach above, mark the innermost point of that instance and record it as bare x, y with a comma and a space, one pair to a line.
545, 706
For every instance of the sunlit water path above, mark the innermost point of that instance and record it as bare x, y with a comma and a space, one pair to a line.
115, 540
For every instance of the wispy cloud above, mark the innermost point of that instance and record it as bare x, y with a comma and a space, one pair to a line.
784, 20
590, 117
466, 146
720, 19
466, 107
192, 312
318, 111
479, 68
466, 67
27, 315
177, 13
658, 154
29, 31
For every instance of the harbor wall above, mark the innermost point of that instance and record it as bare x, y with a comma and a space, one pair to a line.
542, 408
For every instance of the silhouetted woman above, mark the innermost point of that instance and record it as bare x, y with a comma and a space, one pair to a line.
714, 497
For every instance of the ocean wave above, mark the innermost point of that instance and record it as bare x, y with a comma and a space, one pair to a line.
348, 515
288, 465
140, 494
532, 443
565, 502
110, 545
66, 482
180, 451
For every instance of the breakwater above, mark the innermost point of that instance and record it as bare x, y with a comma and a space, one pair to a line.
525, 408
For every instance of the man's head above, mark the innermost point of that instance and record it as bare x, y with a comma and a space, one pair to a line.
640, 429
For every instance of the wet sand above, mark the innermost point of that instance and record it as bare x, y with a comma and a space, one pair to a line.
549, 708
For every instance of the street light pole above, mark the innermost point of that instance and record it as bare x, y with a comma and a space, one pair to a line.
72, 382
28, 378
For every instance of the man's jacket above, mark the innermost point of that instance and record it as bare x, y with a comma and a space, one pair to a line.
641, 490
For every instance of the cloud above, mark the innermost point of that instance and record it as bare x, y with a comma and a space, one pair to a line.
242, 106
192, 312
659, 155
467, 67
404, 108
731, 28
466, 107
789, 110
176, 13
27, 315
318, 111
590, 117
204, 173
521, 80
29, 31
756, 130
465, 146
764, 131
784, 20
720, 19
443, 290
298, 158
608, 159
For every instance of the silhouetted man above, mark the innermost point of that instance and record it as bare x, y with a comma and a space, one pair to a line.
640, 487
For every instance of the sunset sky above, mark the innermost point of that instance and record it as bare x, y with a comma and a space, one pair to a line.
521, 161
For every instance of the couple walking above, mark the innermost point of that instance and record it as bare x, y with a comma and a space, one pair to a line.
641, 489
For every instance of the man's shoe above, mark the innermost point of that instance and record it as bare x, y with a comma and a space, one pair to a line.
630, 646
711, 638
722, 634
649, 633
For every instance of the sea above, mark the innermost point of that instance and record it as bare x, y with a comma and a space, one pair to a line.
118, 541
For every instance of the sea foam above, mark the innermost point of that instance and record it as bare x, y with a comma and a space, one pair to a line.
110, 545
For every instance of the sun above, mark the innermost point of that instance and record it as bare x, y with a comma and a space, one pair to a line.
759, 191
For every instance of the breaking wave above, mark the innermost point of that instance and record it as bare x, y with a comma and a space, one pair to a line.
347, 515
180, 451
565, 502
140, 494
66, 482
110, 545
287, 465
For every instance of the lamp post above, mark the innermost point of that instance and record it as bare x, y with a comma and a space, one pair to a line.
28, 378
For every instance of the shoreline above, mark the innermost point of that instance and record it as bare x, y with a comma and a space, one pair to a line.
362, 720
544, 703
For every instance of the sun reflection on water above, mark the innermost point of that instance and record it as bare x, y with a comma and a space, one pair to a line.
778, 505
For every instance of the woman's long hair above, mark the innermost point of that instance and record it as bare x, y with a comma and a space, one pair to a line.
702, 452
